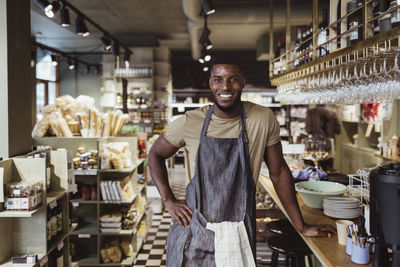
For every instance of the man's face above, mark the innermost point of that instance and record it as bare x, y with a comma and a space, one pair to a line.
226, 83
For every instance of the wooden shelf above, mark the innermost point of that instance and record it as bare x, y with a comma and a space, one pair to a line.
80, 201
90, 229
90, 172
127, 170
53, 244
19, 213
119, 202
55, 195
91, 260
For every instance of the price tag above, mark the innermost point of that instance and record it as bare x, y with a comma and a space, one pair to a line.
43, 260
60, 245
53, 204
75, 204
84, 236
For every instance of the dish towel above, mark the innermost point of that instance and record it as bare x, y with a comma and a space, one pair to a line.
232, 246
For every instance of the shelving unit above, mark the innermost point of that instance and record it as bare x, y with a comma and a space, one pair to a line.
16, 226
86, 236
158, 84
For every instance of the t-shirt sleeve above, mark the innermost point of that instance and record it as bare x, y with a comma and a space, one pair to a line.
174, 132
273, 136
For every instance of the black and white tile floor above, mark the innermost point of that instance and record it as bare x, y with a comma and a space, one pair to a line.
153, 252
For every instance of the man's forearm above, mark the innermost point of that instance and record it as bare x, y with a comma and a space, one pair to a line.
284, 188
159, 174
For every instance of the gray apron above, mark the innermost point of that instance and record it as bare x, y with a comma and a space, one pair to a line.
222, 189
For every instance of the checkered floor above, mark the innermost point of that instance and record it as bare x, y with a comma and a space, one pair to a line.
153, 252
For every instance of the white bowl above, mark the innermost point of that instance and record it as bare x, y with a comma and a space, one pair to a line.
313, 192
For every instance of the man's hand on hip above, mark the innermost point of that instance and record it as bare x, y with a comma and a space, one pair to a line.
180, 211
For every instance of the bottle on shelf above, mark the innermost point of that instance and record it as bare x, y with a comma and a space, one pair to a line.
297, 46
323, 36
384, 22
375, 6
338, 25
354, 20
395, 19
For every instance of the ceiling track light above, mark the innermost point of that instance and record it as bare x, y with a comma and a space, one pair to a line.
52, 9
106, 43
205, 69
43, 4
64, 17
81, 28
204, 36
208, 45
201, 59
208, 7
127, 57
71, 64
54, 60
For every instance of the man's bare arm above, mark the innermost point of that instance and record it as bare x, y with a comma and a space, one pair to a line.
159, 152
281, 178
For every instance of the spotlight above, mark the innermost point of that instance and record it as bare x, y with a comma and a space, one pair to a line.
208, 6
81, 28
64, 16
207, 58
115, 49
52, 8
71, 64
33, 59
106, 43
43, 4
208, 44
201, 60
204, 36
127, 56
54, 60
205, 69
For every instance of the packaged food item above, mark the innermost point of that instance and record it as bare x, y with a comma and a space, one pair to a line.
22, 196
118, 153
93, 193
85, 193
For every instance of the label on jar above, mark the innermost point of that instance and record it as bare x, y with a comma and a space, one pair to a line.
25, 203
17, 203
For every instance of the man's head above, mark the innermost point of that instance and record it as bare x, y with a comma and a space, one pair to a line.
226, 82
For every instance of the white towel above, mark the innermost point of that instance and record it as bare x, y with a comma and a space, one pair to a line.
232, 246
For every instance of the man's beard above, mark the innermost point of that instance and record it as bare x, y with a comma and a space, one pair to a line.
226, 109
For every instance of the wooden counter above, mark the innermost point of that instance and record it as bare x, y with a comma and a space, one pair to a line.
326, 249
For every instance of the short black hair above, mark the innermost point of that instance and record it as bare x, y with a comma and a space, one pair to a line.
228, 60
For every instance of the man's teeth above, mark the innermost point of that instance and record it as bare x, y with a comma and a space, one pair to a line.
225, 95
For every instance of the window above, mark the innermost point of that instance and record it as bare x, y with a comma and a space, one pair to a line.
47, 83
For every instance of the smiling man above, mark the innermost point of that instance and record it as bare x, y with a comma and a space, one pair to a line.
226, 143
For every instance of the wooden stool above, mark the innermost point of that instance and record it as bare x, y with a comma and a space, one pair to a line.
293, 247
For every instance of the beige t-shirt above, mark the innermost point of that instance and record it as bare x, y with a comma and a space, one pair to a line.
262, 129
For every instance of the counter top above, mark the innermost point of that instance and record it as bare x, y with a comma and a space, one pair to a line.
326, 249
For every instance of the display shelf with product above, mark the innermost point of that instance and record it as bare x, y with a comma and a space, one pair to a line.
97, 221
145, 97
48, 202
358, 32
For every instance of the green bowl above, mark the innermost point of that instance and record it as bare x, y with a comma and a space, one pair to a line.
313, 192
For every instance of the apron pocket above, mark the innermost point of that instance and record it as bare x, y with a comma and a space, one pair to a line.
199, 247
177, 238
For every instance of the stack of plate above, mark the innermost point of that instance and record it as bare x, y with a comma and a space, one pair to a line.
341, 207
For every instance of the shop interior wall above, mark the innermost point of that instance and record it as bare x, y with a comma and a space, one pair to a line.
17, 85
79, 82
350, 157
